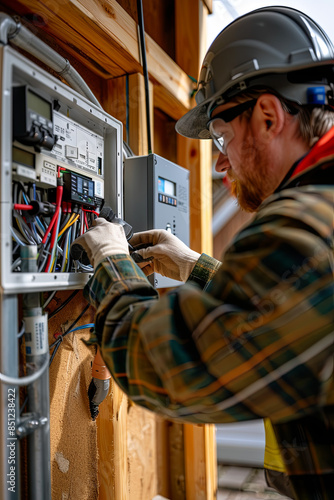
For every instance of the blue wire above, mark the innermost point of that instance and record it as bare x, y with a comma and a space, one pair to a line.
25, 198
89, 325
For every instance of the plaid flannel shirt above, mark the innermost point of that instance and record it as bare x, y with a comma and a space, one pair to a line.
247, 338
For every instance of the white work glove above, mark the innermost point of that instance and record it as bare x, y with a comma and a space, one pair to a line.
102, 240
166, 254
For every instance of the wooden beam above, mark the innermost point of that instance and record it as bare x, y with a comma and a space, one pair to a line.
112, 446
138, 138
114, 99
199, 441
177, 462
162, 456
209, 5
200, 462
168, 102
101, 35
196, 156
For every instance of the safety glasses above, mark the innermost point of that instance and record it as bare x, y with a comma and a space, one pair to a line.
222, 133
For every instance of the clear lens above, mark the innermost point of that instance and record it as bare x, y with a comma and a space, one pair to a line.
220, 144
221, 133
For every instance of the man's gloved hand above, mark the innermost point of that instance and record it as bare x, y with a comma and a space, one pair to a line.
166, 254
102, 240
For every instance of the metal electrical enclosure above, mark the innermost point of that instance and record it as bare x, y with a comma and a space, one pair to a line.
156, 196
45, 126
60, 161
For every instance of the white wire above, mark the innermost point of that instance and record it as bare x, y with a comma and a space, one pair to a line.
65, 252
88, 269
69, 256
20, 381
17, 237
25, 229
48, 300
22, 331
16, 263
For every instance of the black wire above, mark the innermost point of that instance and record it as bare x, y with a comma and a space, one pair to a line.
127, 125
145, 72
59, 340
56, 311
64, 221
54, 353
23, 405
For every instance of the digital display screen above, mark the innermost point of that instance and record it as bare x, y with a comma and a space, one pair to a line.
84, 186
167, 187
39, 105
79, 185
23, 157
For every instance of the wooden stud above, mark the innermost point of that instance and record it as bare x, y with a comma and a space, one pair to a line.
137, 115
162, 456
209, 5
112, 446
199, 441
200, 462
177, 461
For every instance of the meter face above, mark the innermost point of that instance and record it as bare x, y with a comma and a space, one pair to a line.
156, 196
39, 105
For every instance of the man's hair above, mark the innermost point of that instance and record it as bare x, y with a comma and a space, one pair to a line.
314, 121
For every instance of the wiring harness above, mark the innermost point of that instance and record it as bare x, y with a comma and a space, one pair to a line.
51, 226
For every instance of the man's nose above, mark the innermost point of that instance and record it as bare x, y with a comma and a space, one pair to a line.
222, 163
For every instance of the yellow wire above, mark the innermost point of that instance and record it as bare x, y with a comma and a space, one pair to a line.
66, 258
70, 222
65, 227
53, 263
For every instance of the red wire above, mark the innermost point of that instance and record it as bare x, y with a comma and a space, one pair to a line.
91, 211
19, 206
53, 239
86, 221
55, 215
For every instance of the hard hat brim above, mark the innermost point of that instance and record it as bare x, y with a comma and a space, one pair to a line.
194, 123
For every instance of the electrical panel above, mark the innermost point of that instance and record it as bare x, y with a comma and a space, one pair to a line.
61, 161
156, 196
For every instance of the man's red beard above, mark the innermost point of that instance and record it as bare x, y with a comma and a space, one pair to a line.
251, 191
248, 197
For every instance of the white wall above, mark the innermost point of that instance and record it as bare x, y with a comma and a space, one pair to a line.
225, 11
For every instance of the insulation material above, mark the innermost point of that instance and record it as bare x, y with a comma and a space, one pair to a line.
74, 456
115, 457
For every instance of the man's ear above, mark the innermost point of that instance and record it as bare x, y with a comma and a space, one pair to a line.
269, 115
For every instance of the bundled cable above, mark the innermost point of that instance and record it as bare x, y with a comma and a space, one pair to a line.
52, 227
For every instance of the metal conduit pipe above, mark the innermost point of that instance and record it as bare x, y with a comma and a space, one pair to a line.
8, 27
19, 35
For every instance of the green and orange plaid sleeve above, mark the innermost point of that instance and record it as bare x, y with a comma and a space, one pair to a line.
253, 343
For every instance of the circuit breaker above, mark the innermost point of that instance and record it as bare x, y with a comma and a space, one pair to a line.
156, 196
61, 160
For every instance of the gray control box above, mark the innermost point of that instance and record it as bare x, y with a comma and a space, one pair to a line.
156, 196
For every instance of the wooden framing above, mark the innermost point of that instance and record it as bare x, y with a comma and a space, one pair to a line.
100, 38
199, 441
103, 37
